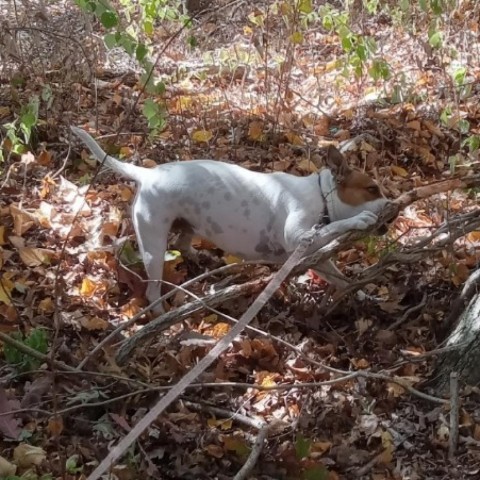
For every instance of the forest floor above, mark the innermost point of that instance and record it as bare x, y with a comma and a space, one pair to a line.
70, 266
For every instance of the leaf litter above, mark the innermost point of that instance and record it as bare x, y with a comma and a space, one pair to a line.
57, 230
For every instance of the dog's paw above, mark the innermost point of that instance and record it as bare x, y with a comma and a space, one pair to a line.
364, 220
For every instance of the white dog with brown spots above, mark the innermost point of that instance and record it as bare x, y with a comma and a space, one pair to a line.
255, 216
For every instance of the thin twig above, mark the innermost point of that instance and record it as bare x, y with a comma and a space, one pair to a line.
408, 312
257, 448
34, 353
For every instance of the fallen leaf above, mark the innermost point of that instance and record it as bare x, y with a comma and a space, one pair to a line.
27, 456
306, 165
55, 426
236, 444
94, 323
7, 469
294, 139
363, 325
400, 171
215, 451
46, 305
222, 423
231, 259
6, 287
33, 257
255, 131
22, 220
202, 136
4, 112
44, 158
92, 287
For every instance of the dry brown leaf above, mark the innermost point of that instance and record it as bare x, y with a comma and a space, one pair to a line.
55, 426
22, 220
222, 423
6, 287
363, 325
395, 390
94, 323
215, 450
27, 456
400, 171
294, 139
91, 287
255, 131
46, 305
33, 257
149, 163
306, 165
44, 158
202, 136
361, 363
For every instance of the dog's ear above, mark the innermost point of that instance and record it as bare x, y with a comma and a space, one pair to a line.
337, 164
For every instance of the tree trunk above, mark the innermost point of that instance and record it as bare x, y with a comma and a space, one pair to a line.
463, 356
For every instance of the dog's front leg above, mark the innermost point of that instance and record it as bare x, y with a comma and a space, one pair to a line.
330, 232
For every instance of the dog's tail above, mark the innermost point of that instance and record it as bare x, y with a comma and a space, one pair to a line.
125, 169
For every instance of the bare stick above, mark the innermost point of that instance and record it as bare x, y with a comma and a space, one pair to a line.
257, 448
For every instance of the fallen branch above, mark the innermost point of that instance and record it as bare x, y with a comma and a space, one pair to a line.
174, 316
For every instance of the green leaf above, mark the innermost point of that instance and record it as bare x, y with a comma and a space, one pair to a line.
459, 75
435, 40
436, 6
327, 22
171, 255
148, 27
150, 108
128, 255
302, 447
347, 44
472, 142
296, 38
316, 472
192, 41
111, 40
141, 51
463, 126
109, 19
38, 340
305, 6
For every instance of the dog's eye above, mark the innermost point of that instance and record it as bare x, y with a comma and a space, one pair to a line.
374, 190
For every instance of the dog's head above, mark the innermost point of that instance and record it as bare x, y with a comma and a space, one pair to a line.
351, 191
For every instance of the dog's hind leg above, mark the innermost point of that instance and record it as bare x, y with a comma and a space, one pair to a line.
152, 241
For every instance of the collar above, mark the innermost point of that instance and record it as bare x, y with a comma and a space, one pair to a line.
324, 218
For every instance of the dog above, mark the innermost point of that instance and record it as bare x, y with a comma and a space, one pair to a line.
255, 216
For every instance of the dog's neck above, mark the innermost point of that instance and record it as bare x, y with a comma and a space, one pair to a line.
334, 207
